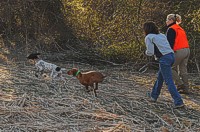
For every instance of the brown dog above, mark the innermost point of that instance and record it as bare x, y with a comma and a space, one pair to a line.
88, 78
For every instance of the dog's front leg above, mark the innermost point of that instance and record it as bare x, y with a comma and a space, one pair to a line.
95, 93
94, 90
52, 74
36, 73
96, 86
41, 72
87, 90
39, 69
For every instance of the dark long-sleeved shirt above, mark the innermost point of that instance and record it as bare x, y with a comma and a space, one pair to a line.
171, 35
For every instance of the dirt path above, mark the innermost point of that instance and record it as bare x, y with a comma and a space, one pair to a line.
31, 104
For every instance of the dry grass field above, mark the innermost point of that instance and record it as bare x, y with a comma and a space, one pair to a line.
30, 104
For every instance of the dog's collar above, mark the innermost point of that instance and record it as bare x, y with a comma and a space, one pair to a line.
78, 72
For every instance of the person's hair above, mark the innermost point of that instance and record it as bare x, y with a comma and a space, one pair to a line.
150, 27
175, 17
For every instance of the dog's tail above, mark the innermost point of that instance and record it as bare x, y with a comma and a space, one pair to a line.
105, 75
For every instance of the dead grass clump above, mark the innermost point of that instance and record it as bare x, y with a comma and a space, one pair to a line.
28, 103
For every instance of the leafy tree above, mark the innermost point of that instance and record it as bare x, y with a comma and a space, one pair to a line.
113, 28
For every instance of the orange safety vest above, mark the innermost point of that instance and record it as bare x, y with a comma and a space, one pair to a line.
181, 40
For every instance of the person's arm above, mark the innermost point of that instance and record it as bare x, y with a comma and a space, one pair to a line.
149, 46
171, 36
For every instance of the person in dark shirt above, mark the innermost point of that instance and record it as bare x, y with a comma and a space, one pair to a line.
179, 43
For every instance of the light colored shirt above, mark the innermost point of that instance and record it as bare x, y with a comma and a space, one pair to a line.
160, 40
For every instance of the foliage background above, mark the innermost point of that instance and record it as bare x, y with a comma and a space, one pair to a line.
110, 28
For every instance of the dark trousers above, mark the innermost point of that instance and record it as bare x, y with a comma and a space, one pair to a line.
165, 74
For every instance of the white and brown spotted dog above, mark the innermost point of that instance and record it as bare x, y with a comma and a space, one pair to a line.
43, 66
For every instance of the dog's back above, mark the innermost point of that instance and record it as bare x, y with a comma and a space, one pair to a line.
43, 65
93, 76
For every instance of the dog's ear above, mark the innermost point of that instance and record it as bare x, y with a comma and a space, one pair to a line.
33, 56
74, 69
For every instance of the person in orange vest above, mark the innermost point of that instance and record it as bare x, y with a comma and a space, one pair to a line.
179, 43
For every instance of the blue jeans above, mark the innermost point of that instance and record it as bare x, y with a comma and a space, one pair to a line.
165, 74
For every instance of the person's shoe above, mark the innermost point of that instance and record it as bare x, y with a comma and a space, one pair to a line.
152, 100
178, 106
149, 95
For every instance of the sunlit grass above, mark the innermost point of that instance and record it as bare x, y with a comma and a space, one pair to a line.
148, 81
4, 73
3, 58
187, 101
7, 96
77, 4
191, 104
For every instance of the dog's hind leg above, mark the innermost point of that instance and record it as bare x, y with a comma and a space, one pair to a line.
96, 86
41, 72
95, 93
87, 89
37, 74
94, 90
